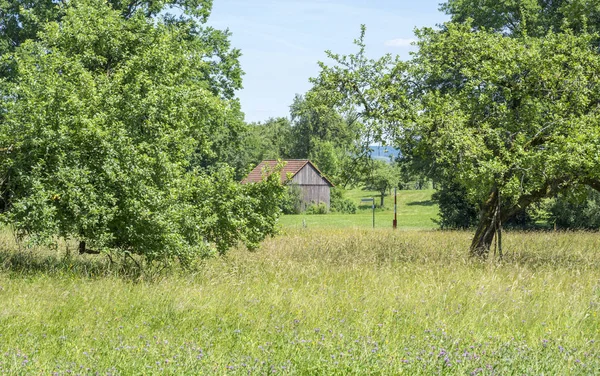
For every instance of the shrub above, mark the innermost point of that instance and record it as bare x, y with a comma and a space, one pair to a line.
340, 204
575, 210
292, 200
320, 208
456, 211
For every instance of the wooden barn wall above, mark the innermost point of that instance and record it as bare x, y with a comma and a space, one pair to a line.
308, 176
313, 187
315, 194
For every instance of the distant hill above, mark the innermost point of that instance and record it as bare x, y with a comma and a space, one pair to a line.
384, 153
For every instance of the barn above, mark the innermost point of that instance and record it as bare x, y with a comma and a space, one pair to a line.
314, 187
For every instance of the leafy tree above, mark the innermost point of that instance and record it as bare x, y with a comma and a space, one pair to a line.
512, 120
257, 142
341, 204
313, 122
328, 158
531, 17
383, 177
102, 120
271, 139
515, 117
456, 212
22, 20
575, 209
332, 141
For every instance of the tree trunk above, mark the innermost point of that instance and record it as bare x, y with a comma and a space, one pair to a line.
83, 250
490, 213
486, 229
382, 195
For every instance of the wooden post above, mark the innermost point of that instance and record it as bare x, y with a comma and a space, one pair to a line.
373, 198
395, 223
499, 226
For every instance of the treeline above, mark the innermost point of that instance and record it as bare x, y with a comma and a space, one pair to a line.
335, 143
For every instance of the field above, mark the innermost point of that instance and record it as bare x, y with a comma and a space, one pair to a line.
311, 301
415, 211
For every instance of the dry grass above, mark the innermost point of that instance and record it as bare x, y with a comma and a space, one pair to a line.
312, 301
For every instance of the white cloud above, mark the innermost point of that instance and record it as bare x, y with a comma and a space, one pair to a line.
400, 42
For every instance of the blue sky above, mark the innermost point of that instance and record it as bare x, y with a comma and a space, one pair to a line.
282, 40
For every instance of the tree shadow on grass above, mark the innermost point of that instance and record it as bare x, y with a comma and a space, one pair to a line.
559, 261
421, 203
30, 263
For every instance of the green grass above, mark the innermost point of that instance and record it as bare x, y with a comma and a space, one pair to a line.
415, 211
311, 301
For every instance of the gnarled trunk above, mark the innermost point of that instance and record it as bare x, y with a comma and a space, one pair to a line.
486, 229
491, 217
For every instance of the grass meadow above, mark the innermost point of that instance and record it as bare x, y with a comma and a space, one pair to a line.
311, 301
415, 208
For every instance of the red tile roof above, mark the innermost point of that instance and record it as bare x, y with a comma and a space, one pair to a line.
292, 167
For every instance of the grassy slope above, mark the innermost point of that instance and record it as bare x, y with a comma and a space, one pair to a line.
312, 302
415, 211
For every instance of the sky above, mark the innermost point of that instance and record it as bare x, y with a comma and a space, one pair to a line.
283, 40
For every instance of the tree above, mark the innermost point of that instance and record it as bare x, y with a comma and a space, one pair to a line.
255, 143
313, 122
102, 119
535, 18
22, 20
332, 141
512, 120
575, 209
383, 177
456, 212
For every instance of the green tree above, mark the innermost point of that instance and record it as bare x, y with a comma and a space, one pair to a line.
512, 120
531, 17
22, 20
455, 211
382, 177
257, 142
332, 140
102, 120
313, 122
515, 121
575, 209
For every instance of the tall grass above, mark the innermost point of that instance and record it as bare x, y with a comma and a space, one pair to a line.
311, 302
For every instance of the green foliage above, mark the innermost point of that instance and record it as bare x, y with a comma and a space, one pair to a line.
516, 113
328, 158
382, 177
24, 20
374, 92
331, 141
341, 204
531, 17
292, 201
575, 210
456, 211
314, 122
103, 119
515, 118
317, 208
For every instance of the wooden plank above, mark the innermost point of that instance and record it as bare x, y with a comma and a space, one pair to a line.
315, 194
309, 176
